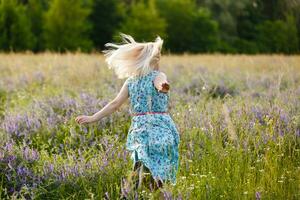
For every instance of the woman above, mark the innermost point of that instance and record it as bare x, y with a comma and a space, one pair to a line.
153, 137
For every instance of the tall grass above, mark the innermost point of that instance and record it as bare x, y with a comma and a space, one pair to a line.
238, 118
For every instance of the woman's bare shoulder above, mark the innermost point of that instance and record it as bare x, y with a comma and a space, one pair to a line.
160, 76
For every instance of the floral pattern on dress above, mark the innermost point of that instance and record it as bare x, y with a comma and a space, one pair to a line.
153, 139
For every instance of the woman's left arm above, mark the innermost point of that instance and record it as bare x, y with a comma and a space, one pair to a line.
108, 109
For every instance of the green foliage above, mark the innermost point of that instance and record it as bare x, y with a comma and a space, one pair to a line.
15, 31
277, 9
226, 14
66, 26
143, 22
296, 13
245, 46
226, 95
106, 17
189, 28
185, 25
252, 16
206, 33
278, 36
180, 19
35, 12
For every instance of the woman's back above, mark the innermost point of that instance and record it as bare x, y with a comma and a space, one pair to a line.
144, 97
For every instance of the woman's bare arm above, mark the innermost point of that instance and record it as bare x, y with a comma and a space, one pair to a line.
108, 109
161, 83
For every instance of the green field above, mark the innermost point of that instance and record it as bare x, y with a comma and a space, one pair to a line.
238, 118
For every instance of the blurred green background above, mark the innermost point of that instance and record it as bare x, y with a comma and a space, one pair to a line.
187, 26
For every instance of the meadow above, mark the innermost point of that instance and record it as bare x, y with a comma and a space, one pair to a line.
238, 118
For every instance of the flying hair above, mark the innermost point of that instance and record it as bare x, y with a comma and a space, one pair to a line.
131, 58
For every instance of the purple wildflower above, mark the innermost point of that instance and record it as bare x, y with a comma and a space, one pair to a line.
297, 133
257, 195
167, 195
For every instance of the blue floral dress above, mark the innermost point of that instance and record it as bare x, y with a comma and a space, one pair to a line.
153, 139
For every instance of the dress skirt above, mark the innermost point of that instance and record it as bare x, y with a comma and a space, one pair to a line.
153, 139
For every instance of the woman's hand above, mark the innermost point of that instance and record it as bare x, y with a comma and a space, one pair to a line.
161, 83
83, 119
164, 87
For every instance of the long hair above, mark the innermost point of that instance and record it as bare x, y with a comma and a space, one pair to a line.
131, 58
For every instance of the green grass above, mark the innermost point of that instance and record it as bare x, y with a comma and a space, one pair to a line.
238, 118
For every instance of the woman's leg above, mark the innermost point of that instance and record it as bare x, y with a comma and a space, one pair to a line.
136, 178
140, 170
156, 184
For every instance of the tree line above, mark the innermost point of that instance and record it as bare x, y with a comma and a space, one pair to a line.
194, 26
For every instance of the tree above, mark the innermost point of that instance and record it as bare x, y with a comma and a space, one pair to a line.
180, 19
276, 9
245, 23
36, 10
205, 36
278, 36
15, 31
106, 17
189, 28
294, 10
66, 26
226, 14
144, 22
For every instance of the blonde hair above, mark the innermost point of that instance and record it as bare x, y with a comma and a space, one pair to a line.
132, 58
